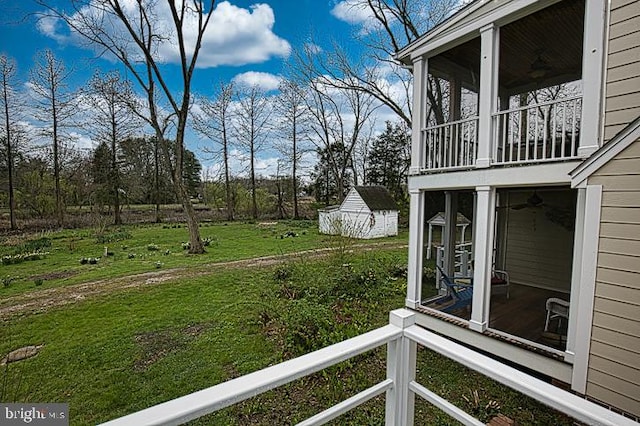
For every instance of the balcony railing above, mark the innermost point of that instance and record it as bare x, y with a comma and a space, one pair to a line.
451, 145
401, 337
548, 131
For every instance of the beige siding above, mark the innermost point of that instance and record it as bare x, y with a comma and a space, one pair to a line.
538, 251
614, 363
622, 99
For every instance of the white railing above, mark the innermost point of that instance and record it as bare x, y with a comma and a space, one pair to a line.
463, 266
402, 337
451, 145
547, 131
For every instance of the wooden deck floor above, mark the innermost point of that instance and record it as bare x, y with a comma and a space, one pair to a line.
523, 315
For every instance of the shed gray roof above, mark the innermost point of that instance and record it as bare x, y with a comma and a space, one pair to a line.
376, 197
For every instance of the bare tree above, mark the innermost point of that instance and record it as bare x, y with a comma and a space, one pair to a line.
340, 119
133, 33
393, 24
214, 123
12, 108
291, 106
251, 128
55, 106
111, 121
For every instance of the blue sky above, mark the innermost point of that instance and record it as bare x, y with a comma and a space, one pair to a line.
247, 42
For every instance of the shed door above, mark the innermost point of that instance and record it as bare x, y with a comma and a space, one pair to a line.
390, 221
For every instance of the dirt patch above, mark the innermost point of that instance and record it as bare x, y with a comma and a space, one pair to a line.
45, 299
54, 275
155, 345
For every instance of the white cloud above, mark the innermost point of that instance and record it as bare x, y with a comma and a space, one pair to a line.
353, 12
235, 36
261, 80
312, 48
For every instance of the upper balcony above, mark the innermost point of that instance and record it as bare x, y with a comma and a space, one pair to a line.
511, 94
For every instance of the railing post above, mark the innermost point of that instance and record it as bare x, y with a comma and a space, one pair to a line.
401, 368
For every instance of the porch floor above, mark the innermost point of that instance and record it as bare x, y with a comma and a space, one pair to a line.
522, 315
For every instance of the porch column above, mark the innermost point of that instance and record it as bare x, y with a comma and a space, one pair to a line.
592, 75
482, 254
418, 149
576, 270
581, 304
449, 232
416, 244
488, 92
401, 368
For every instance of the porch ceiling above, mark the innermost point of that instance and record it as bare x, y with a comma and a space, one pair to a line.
552, 37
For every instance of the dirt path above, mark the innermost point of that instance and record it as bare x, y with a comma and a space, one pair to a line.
43, 300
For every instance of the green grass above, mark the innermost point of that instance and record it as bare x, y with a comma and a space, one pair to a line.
229, 241
115, 354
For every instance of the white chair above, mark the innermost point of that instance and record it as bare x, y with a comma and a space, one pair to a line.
556, 308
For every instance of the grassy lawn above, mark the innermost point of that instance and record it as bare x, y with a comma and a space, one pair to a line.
142, 248
128, 349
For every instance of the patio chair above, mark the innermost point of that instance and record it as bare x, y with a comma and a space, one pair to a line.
556, 308
460, 294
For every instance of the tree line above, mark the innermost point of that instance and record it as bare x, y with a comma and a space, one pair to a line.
324, 106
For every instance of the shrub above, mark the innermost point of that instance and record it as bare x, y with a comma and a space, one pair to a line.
23, 257
307, 326
6, 281
33, 245
153, 247
38, 282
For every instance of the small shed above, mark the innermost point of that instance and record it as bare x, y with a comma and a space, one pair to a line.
329, 220
366, 212
439, 220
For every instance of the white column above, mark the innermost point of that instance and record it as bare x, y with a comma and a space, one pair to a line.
581, 321
482, 253
592, 76
401, 368
418, 149
488, 92
430, 241
576, 270
416, 243
449, 232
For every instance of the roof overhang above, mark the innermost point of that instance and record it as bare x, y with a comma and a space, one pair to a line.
466, 25
606, 153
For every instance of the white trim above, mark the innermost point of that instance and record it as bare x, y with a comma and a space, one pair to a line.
590, 240
489, 57
418, 149
592, 76
576, 273
416, 243
619, 143
508, 351
484, 222
605, 69
548, 174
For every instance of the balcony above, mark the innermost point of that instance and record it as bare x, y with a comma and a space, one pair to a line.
504, 95
402, 337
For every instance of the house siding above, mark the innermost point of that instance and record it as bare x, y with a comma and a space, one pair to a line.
538, 251
622, 100
613, 374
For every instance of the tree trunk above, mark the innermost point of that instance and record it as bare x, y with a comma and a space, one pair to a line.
294, 183
227, 178
12, 202
156, 183
56, 174
254, 202
115, 177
